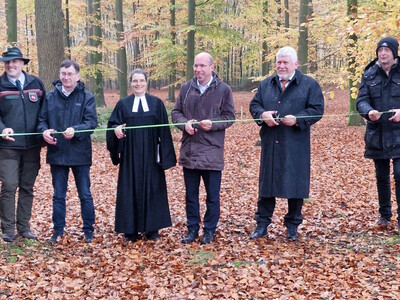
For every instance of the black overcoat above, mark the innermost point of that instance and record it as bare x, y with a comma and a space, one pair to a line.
285, 151
142, 203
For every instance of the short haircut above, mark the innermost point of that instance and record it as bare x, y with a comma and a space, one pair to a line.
137, 71
69, 62
287, 51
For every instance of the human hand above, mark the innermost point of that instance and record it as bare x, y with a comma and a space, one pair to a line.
48, 137
374, 115
268, 117
396, 116
189, 127
119, 131
205, 125
6, 134
69, 133
289, 120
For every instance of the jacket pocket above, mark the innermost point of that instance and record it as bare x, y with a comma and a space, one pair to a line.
375, 87
395, 89
373, 136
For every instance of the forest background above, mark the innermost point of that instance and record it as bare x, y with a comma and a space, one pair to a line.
335, 39
339, 254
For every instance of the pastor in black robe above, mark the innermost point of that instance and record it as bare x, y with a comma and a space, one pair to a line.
143, 155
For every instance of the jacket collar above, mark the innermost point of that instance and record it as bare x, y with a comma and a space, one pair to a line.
295, 79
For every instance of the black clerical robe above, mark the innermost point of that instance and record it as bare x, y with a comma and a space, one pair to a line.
143, 155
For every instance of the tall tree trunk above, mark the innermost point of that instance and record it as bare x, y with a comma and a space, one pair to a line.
172, 75
95, 57
11, 18
49, 23
303, 35
190, 39
265, 64
287, 24
121, 53
67, 32
354, 118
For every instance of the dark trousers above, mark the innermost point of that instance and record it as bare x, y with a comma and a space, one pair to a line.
382, 171
18, 169
212, 183
266, 206
60, 183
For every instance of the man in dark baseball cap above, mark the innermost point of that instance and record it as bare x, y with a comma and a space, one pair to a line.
13, 53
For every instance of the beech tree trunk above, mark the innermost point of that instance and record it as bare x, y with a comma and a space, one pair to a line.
49, 23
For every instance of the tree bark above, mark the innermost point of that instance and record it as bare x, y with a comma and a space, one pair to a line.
354, 117
95, 57
303, 35
190, 39
11, 19
67, 32
49, 23
172, 76
265, 64
121, 53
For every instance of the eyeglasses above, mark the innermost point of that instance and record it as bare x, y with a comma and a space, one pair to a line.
63, 74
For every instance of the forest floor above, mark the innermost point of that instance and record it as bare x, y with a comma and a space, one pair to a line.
339, 254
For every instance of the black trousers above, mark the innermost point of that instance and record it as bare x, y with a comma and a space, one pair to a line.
266, 206
212, 183
382, 171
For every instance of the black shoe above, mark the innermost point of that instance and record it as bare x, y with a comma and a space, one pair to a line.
259, 232
383, 223
152, 235
55, 238
208, 237
88, 236
29, 235
131, 237
292, 233
9, 238
190, 237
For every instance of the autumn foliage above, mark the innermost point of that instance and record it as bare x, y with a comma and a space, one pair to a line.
339, 254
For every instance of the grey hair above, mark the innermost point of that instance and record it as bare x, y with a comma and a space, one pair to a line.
287, 51
137, 71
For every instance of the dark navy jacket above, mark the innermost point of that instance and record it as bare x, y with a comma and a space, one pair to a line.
21, 114
285, 150
380, 92
59, 112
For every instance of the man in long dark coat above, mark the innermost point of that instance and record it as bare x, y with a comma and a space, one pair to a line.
285, 106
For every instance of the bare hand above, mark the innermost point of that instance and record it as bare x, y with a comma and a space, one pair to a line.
49, 139
374, 115
289, 120
268, 117
69, 133
119, 131
205, 125
189, 127
6, 134
396, 116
